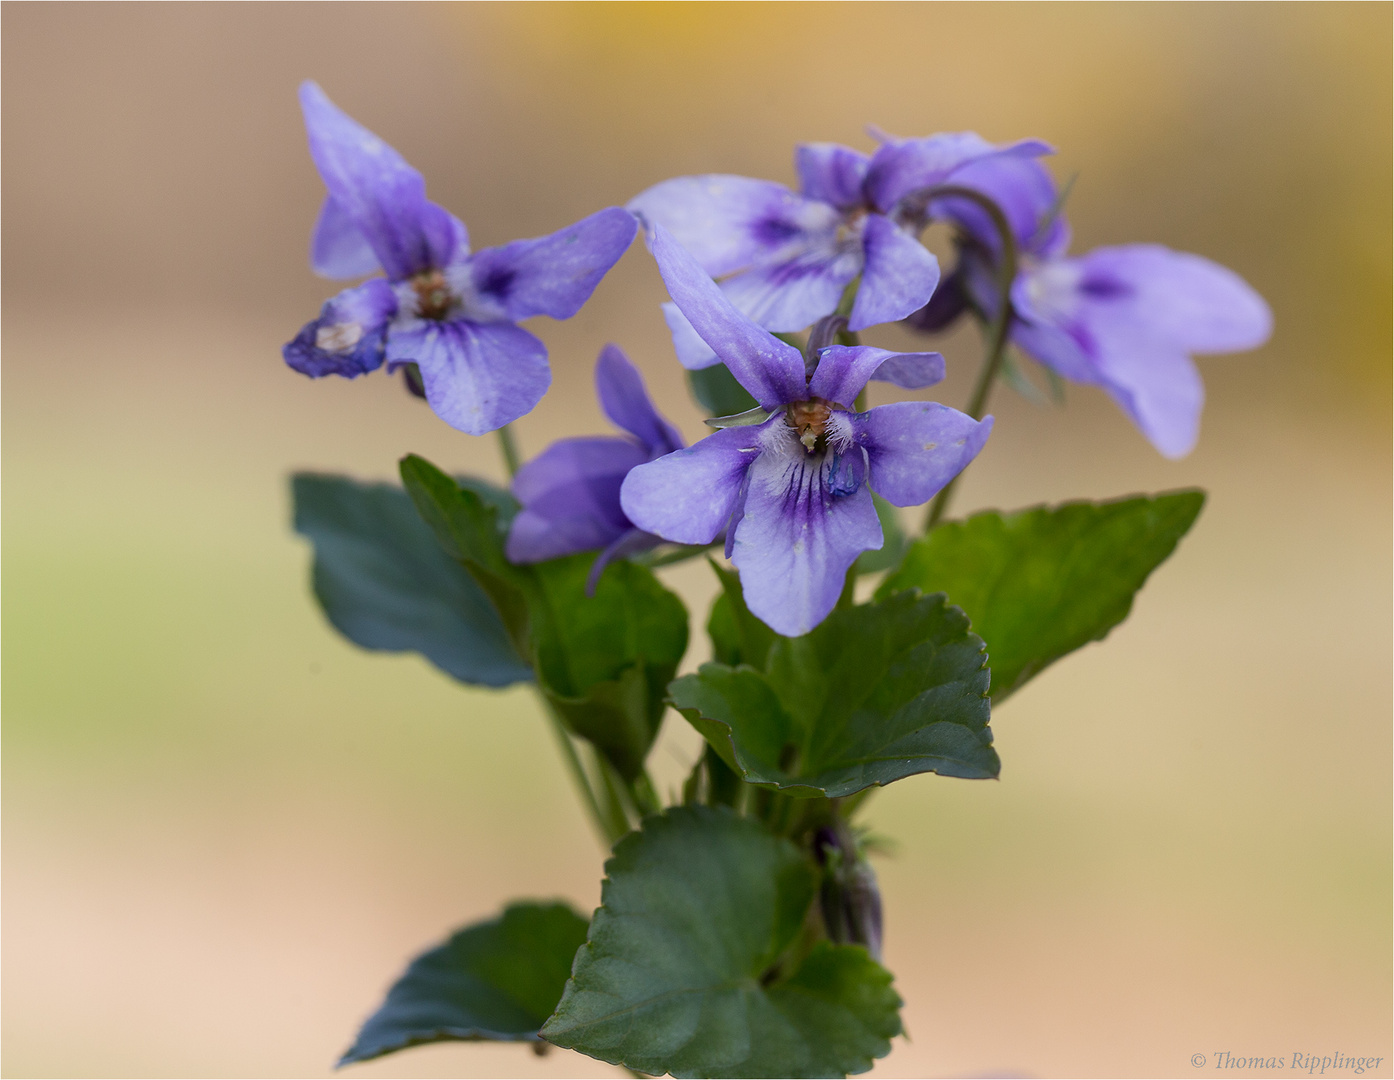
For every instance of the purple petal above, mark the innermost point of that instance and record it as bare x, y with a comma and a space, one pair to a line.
1158, 387
1126, 318
911, 371
844, 370
551, 275
1026, 193
950, 300
901, 166
348, 337
693, 353
688, 495
570, 495
790, 295
728, 223
1190, 301
831, 173
383, 196
798, 538
478, 376
916, 447
899, 277
337, 248
620, 388
768, 368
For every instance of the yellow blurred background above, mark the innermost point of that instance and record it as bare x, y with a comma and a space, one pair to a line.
226, 829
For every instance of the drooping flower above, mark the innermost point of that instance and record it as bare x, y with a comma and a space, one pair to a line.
784, 259
1126, 318
452, 313
570, 493
793, 491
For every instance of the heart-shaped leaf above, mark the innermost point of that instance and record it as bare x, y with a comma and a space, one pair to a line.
875, 693
1040, 583
603, 660
496, 980
385, 584
693, 967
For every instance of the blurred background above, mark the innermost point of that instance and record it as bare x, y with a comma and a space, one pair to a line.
226, 830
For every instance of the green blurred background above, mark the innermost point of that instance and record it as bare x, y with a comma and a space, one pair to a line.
225, 829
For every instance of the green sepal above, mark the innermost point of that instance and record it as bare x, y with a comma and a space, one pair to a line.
718, 392
875, 693
695, 963
384, 583
496, 980
1039, 583
750, 418
604, 661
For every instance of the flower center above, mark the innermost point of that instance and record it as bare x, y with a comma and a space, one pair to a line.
809, 421
434, 298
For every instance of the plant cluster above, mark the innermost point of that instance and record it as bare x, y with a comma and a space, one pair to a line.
740, 925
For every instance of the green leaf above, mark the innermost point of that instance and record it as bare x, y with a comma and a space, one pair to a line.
604, 661
1040, 583
692, 967
716, 389
892, 550
471, 528
738, 637
875, 693
385, 584
496, 980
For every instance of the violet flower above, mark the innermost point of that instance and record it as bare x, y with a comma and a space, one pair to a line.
452, 313
1127, 318
570, 493
792, 490
785, 259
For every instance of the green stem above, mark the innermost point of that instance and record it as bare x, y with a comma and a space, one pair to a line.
579, 778
996, 329
510, 451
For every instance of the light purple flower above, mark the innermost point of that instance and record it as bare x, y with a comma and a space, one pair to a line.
793, 491
785, 258
1127, 319
570, 493
451, 313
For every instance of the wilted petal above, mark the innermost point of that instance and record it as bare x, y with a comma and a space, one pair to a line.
801, 531
551, 275
570, 496
377, 190
688, 495
768, 368
348, 337
620, 388
478, 376
901, 166
899, 277
337, 248
728, 223
843, 371
916, 447
831, 173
